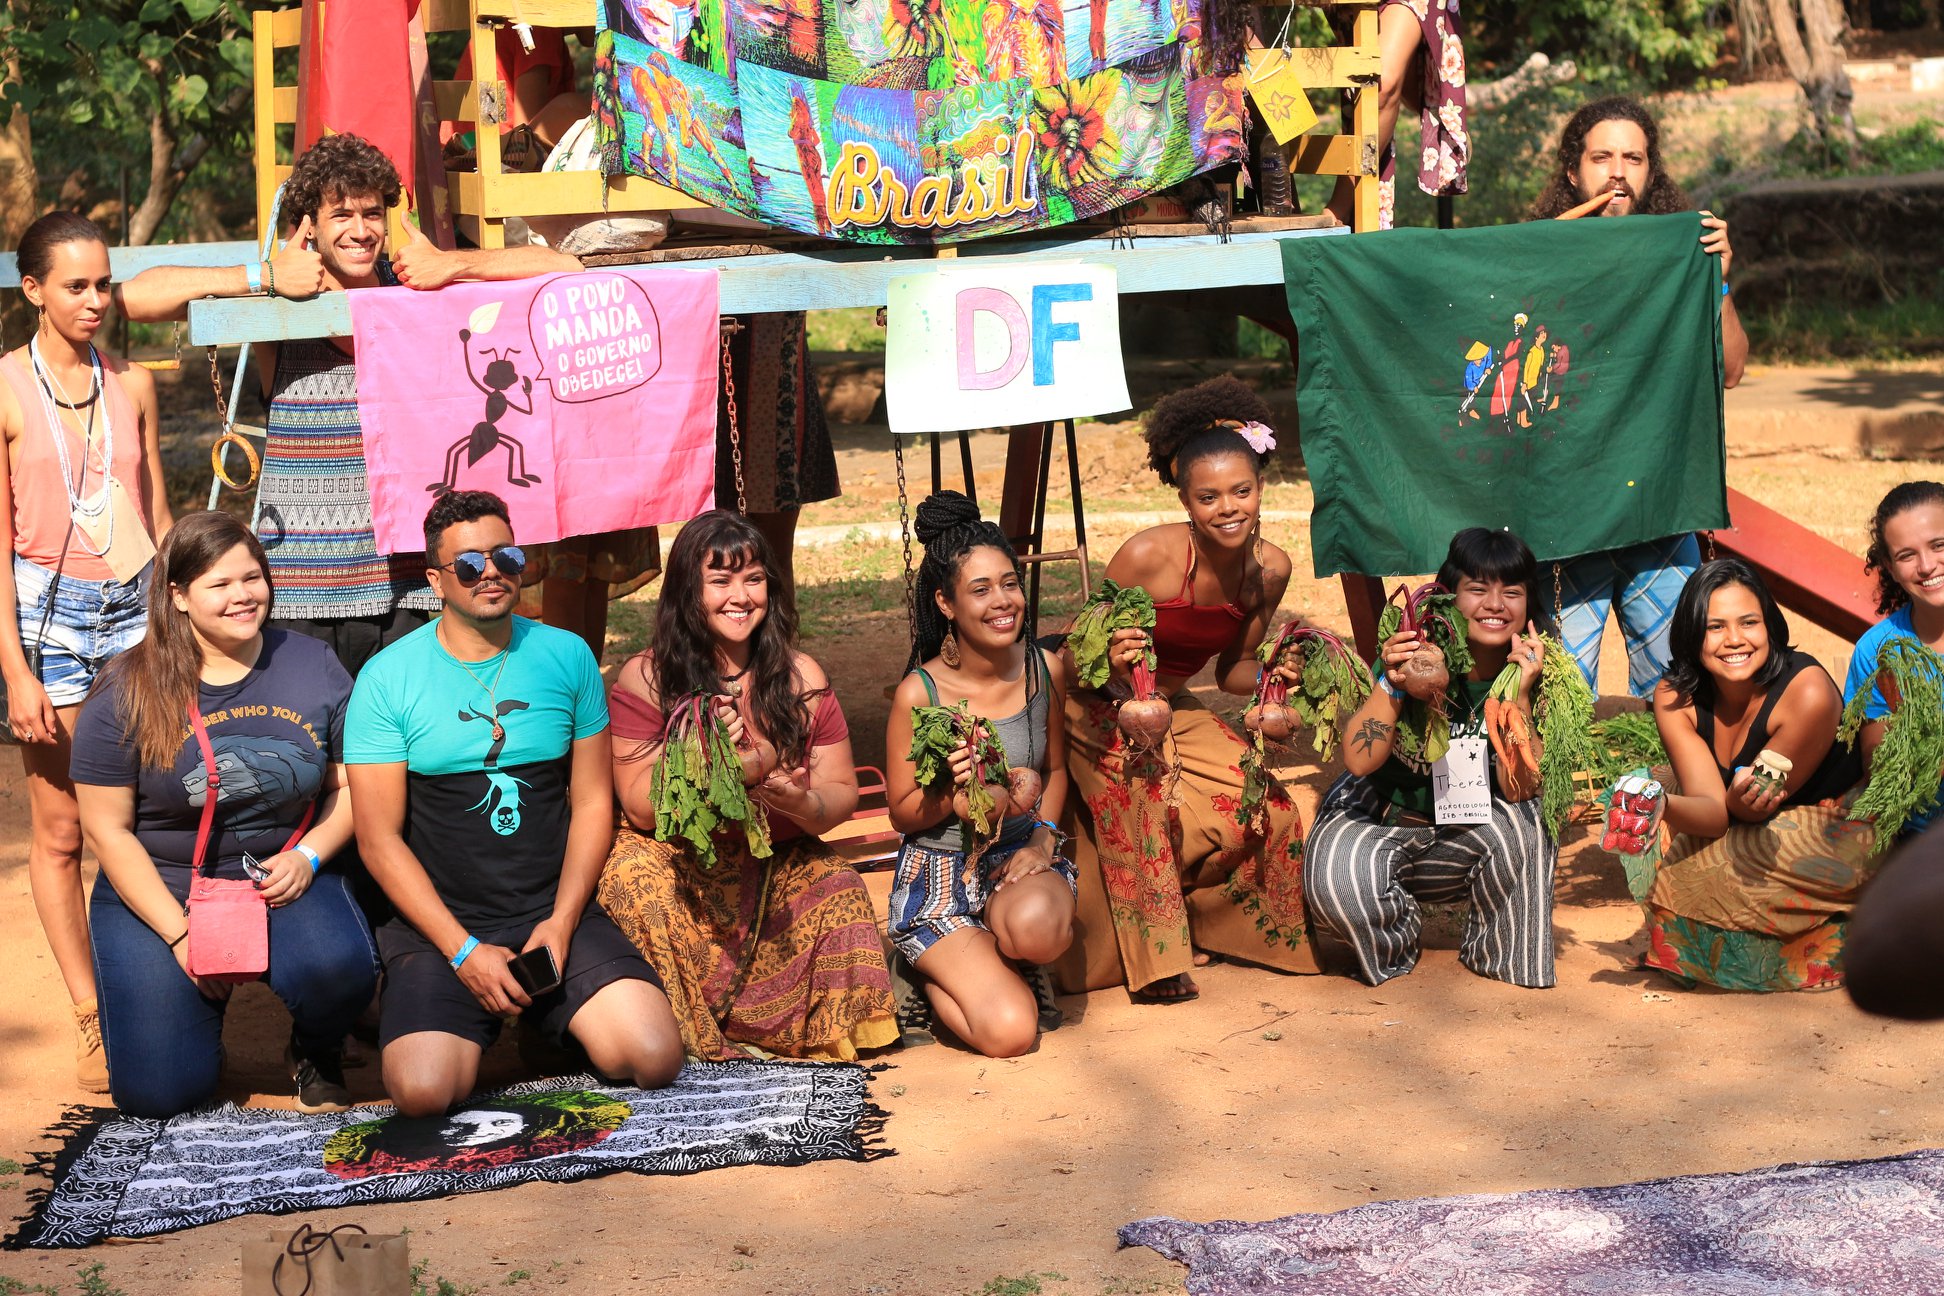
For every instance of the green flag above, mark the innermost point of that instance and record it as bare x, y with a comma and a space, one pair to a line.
1560, 378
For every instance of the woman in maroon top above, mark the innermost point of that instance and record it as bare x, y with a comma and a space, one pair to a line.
783, 953
1166, 867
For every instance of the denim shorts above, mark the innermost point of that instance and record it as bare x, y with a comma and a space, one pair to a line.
92, 622
935, 894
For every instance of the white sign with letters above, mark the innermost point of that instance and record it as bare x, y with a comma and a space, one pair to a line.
1000, 346
1461, 784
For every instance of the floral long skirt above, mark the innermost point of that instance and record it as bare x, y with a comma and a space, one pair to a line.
1165, 864
782, 953
1763, 907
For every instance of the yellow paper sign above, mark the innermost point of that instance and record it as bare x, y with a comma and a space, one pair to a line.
1277, 89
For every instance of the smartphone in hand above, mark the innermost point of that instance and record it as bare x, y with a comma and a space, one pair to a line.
536, 971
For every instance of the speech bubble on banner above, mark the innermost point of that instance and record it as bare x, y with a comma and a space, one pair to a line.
595, 335
984, 346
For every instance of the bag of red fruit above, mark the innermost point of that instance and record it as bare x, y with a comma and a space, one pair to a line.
1633, 816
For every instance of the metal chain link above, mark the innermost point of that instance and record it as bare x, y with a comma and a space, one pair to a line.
904, 530
215, 385
1559, 607
175, 332
735, 429
1711, 547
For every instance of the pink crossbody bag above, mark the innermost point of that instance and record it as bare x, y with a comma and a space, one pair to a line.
229, 922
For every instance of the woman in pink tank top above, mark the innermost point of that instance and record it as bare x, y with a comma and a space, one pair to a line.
82, 510
1166, 867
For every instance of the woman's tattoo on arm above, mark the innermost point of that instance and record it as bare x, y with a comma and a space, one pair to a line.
1372, 732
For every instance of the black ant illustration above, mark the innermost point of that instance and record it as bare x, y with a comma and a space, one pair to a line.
501, 804
486, 435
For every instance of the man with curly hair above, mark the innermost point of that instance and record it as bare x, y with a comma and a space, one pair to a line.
314, 505
1612, 147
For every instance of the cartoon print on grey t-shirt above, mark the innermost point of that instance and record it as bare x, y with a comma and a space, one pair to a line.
256, 775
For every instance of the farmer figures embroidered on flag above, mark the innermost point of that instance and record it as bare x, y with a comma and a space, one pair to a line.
1518, 384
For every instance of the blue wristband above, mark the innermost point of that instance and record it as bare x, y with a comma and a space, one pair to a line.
253, 275
1047, 824
1390, 689
315, 861
472, 943
1724, 288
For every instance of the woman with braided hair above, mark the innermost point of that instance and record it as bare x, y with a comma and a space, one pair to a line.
970, 922
1166, 864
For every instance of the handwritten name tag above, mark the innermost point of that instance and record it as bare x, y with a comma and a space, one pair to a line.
1461, 784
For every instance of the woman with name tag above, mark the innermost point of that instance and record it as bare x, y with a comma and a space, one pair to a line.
82, 508
209, 766
1393, 832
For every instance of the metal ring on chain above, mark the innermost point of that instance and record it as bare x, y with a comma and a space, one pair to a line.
242, 443
735, 428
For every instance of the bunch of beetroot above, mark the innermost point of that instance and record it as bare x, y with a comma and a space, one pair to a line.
1146, 717
995, 790
701, 782
1331, 683
1423, 728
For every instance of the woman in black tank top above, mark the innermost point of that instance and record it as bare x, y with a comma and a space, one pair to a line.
1753, 883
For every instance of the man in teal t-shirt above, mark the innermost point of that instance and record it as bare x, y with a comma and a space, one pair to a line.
478, 755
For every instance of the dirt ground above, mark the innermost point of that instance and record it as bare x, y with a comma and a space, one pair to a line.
1270, 1095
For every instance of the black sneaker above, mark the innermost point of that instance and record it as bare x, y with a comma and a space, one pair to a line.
319, 1078
1040, 981
917, 1026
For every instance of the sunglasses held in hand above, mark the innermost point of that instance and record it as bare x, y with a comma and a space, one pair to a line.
470, 566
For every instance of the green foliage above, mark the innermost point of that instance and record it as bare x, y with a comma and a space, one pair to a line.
937, 732
1563, 717
1024, 1285
1654, 44
95, 76
1905, 770
9, 1166
93, 1284
1334, 682
697, 785
1423, 732
1112, 607
436, 1286
1793, 331
1628, 741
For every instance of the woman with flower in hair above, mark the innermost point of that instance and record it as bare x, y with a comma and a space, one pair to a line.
1166, 865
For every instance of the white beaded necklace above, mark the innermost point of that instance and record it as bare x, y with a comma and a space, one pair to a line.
90, 508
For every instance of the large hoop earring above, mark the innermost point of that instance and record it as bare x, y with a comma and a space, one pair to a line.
948, 649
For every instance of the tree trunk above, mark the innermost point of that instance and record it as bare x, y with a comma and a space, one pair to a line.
19, 205
169, 168
1809, 34
1752, 33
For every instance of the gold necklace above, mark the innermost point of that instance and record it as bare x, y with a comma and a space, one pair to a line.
492, 690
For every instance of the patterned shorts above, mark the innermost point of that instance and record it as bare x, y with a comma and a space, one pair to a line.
936, 894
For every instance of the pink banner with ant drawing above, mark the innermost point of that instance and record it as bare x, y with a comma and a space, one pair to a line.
586, 401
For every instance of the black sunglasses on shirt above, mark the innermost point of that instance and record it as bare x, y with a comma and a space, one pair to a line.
470, 566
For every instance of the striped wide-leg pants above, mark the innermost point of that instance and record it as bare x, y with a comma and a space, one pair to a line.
1363, 881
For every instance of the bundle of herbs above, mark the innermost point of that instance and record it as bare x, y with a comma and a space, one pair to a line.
698, 785
1423, 731
1909, 762
1552, 744
1146, 717
1332, 682
1623, 743
994, 790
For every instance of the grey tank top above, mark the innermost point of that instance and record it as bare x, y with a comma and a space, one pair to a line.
1023, 735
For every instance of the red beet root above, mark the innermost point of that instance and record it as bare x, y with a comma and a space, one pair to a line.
1425, 676
1023, 789
1145, 718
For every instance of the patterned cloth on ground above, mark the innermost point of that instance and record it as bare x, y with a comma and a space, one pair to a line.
1826, 1228
123, 1177
1165, 864
813, 985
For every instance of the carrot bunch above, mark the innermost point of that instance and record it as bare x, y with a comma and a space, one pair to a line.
1551, 744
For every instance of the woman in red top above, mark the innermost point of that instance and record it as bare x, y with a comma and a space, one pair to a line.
1166, 867
780, 953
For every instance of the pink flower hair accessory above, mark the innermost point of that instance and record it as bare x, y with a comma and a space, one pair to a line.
1260, 436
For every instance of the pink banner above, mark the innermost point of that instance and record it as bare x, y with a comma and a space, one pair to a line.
586, 401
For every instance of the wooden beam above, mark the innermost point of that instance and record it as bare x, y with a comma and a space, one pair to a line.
263, 73
286, 27
1809, 575
126, 262
1363, 598
827, 279
1350, 155
1336, 67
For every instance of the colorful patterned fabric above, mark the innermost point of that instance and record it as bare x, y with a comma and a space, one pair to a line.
914, 121
788, 460
313, 501
1643, 582
1446, 151
782, 953
938, 892
1165, 864
1764, 907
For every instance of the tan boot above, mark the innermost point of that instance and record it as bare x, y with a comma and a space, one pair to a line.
90, 1060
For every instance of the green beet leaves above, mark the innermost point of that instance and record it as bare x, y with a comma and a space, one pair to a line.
1112, 607
697, 786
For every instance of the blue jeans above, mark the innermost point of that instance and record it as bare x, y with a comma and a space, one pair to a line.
1643, 584
93, 622
165, 1041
